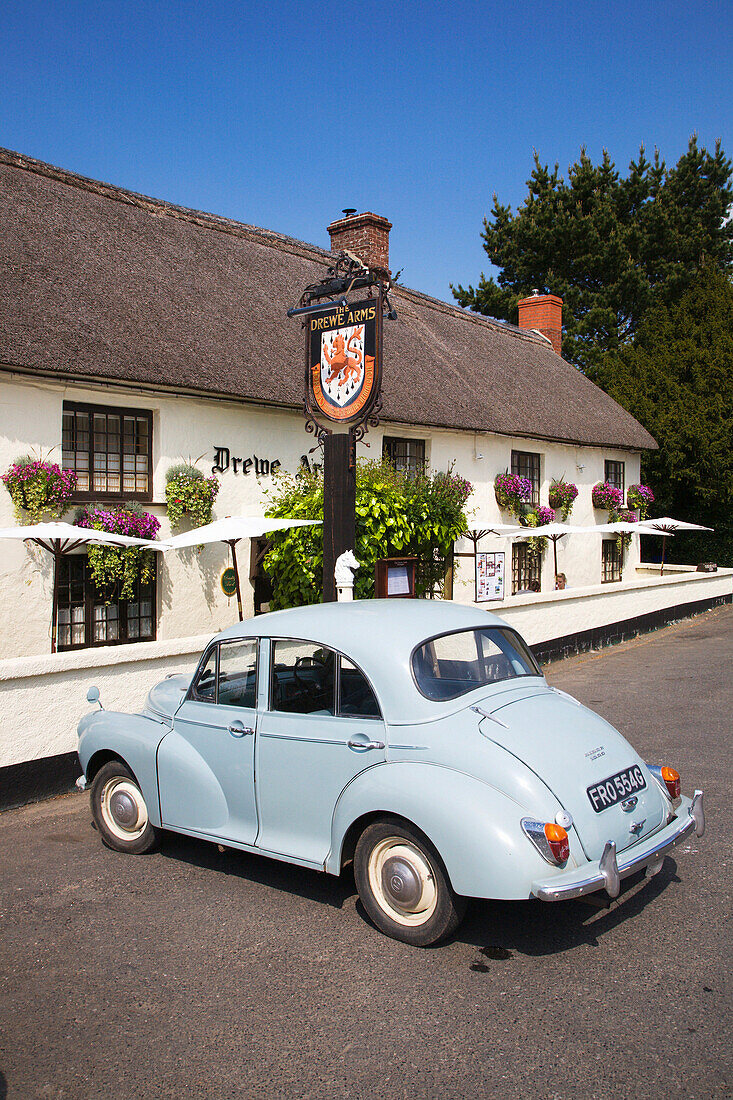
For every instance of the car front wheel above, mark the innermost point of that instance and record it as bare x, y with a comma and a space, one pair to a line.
403, 885
119, 810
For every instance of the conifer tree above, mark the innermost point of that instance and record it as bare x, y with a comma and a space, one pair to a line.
611, 247
677, 380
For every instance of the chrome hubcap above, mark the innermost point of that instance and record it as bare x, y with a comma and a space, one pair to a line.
123, 809
402, 881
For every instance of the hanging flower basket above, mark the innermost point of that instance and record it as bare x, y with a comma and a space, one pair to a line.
114, 567
537, 517
189, 493
562, 497
39, 488
512, 492
605, 495
640, 497
623, 540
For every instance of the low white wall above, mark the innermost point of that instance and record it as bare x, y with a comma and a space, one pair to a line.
545, 616
42, 698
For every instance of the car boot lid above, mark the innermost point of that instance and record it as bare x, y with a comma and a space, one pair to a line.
591, 769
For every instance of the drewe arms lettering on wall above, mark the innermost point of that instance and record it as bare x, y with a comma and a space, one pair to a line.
223, 460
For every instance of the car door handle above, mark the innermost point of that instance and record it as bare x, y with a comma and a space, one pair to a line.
238, 729
354, 743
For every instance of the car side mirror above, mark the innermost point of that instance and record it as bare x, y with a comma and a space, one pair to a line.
93, 696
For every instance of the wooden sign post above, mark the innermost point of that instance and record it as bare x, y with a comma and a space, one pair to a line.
339, 506
343, 376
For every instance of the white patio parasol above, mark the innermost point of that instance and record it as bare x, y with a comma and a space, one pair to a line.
230, 530
61, 538
476, 533
554, 531
666, 526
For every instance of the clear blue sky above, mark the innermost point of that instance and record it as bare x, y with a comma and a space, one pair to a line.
281, 113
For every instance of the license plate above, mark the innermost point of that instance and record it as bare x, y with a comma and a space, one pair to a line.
617, 787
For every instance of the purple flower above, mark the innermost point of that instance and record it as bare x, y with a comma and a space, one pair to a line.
605, 495
545, 515
140, 525
512, 490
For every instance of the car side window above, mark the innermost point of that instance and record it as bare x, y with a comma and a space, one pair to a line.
238, 674
204, 688
302, 678
356, 698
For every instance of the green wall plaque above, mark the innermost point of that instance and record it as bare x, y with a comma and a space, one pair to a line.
228, 582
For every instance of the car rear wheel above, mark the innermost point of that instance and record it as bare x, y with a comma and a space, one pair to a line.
119, 810
403, 885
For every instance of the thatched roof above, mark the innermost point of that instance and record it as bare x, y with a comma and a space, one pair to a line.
100, 283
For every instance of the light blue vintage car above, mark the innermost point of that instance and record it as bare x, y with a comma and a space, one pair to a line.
417, 739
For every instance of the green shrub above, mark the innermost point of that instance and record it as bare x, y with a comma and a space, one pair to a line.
396, 514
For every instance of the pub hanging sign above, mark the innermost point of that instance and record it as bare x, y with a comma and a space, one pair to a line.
343, 364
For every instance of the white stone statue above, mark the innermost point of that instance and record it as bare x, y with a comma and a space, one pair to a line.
346, 564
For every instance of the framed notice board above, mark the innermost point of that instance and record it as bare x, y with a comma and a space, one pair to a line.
489, 576
395, 578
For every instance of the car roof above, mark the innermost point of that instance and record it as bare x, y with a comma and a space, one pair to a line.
379, 636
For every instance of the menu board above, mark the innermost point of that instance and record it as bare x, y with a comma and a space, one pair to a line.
398, 581
489, 576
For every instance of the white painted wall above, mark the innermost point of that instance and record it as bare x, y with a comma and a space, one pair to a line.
42, 698
42, 695
190, 600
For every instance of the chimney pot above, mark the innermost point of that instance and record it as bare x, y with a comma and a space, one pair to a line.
543, 312
366, 235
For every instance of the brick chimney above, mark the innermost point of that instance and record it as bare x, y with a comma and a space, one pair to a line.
544, 313
366, 235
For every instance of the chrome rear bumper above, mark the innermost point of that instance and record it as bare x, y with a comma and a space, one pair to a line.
610, 869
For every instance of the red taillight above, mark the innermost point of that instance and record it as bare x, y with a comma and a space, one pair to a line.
557, 838
672, 782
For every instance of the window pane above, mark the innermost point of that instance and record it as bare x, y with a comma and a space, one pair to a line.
455, 664
527, 464
611, 561
406, 455
105, 435
99, 626
205, 687
70, 607
615, 472
356, 696
302, 678
525, 569
117, 621
238, 674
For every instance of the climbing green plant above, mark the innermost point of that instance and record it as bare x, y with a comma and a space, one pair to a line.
395, 514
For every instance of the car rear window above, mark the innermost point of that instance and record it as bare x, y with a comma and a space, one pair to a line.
454, 664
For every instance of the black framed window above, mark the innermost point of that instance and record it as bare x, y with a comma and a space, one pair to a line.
527, 464
84, 620
614, 474
306, 678
525, 568
610, 561
261, 583
109, 450
406, 455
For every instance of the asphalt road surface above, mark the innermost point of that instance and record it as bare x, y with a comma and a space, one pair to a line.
191, 973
